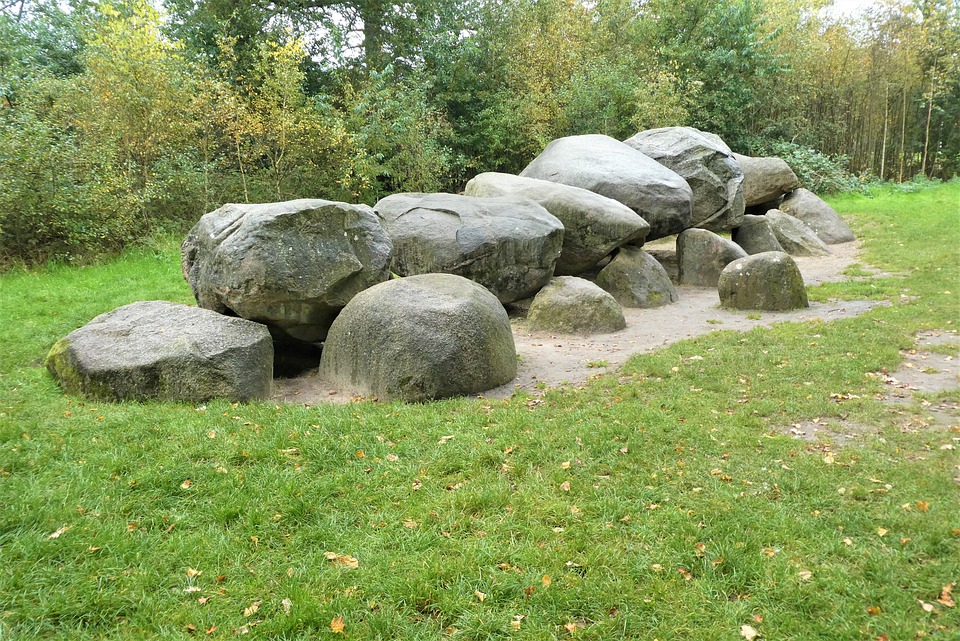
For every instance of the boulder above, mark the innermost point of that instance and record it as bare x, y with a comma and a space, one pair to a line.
156, 350
762, 208
765, 179
707, 164
636, 279
571, 305
702, 255
290, 265
421, 338
817, 215
508, 245
606, 166
794, 236
769, 281
755, 236
594, 225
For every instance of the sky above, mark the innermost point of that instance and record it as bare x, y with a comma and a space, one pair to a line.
850, 7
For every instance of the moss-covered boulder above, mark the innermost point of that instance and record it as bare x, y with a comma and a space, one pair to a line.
769, 281
572, 305
156, 350
637, 279
702, 255
420, 338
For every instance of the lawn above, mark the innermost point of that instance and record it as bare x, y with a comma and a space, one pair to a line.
666, 500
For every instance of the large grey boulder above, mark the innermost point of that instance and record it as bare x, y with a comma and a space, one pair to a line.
817, 215
769, 281
794, 236
637, 279
707, 164
606, 166
755, 236
156, 350
702, 255
508, 245
290, 265
571, 305
594, 225
765, 178
421, 338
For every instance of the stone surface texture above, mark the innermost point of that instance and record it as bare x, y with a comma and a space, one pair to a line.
421, 338
794, 236
755, 236
708, 166
636, 279
765, 178
702, 255
825, 222
572, 305
157, 350
508, 245
606, 166
769, 281
290, 265
594, 225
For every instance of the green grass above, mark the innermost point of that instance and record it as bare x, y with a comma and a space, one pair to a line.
662, 500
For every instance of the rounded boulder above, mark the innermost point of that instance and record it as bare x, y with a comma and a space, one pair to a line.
572, 305
770, 281
420, 338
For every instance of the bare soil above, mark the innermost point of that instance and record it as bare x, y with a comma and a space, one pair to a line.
552, 360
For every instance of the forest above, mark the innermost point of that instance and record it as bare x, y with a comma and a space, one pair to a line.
126, 119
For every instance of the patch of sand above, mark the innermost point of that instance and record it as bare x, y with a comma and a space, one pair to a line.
551, 360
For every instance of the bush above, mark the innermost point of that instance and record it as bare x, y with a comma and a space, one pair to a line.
817, 172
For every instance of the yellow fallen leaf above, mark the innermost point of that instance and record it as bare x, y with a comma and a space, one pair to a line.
848, 541
570, 627
186, 484
287, 604
343, 560
882, 531
481, 596
565, 465
515, 625
945, 595
191, 573
336, 625
393, 458
748, 632
546, 580
59, 533
805, 575
923, 506
565, 486
360, 454
251, 609
927, 607
445, 439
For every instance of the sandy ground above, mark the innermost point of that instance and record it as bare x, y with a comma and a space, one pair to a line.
555, 360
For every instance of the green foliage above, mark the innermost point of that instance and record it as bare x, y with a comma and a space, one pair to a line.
817, 172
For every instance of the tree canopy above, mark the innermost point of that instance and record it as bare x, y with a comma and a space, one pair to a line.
118, 119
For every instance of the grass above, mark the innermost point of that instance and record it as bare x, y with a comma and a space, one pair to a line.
663, 500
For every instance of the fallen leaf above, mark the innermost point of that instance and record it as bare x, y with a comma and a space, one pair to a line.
769, 552
251, 609
393, 458
190, 628
923, 506
191, 573
481, 596
410, 525
287, 604
570, 627
341, 559
212, 434
515, 625
204, 600
211, 629
186, 484
565, 465
656, 567
565, 486
59, 533
445, 439
847, 541
336, 625
874, 610
927, 607
360, 454
758, 618
945, 596
530, 589
685, 573
546, 580
805, 575
748, 633
192, 588
882, 531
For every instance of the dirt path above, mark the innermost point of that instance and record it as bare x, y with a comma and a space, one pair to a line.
552, 360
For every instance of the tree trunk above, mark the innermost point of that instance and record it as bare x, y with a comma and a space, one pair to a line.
903, 135
883, 146
926, 136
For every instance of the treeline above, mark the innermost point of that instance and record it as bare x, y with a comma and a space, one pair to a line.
118, 119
